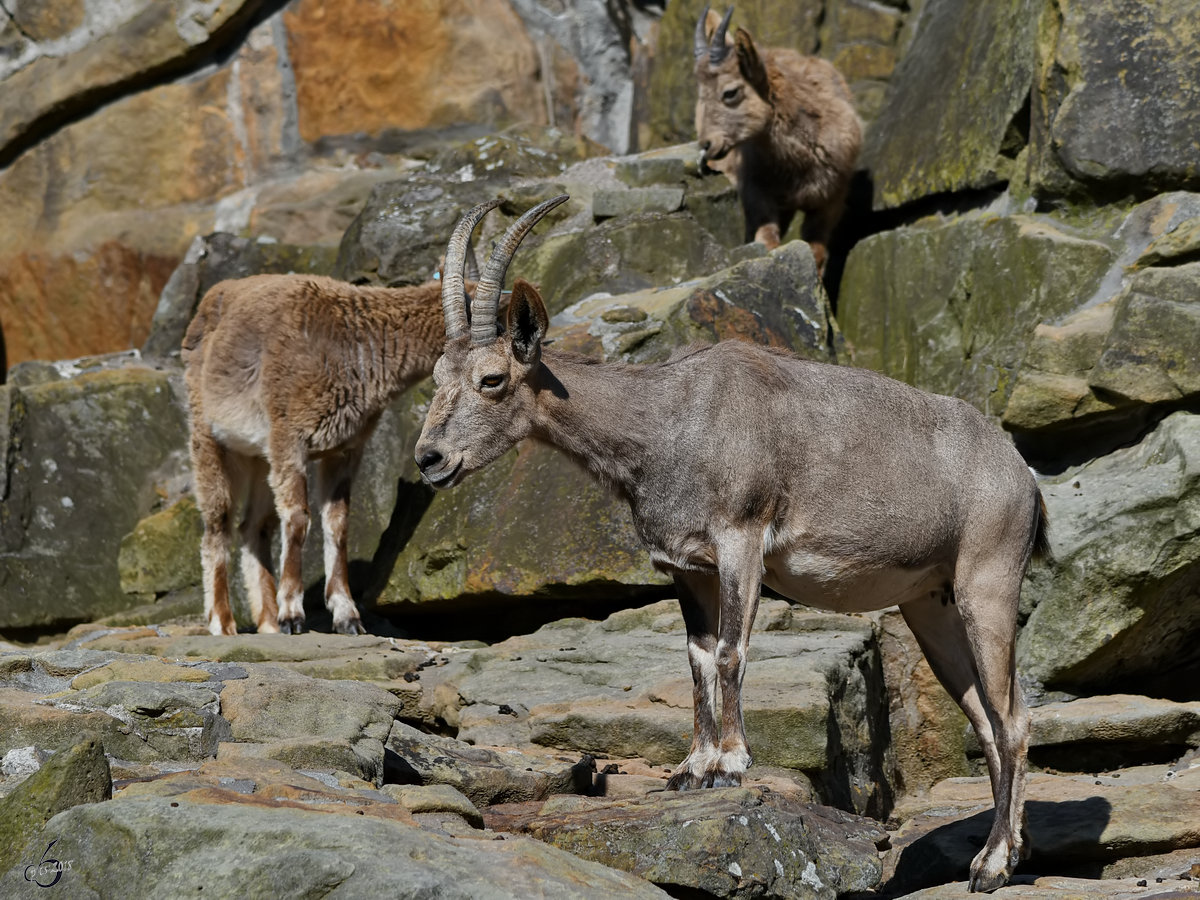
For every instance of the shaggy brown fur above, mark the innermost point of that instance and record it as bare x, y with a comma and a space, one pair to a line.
281, 370
744, 466
782, 127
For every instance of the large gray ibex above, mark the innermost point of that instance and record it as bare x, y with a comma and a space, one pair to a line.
282, 370
783, 129
743, 466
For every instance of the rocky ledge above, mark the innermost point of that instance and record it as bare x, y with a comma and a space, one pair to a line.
300, 766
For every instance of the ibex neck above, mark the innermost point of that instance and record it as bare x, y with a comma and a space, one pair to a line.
404, 333
600, 414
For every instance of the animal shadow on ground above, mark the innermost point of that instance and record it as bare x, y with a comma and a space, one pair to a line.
1065, 836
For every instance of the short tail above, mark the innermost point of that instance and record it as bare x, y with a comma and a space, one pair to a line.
1041, 538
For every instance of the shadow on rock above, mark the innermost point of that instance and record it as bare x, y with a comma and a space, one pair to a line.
1065, 837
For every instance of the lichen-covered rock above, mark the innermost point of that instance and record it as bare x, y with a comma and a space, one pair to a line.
1118, 605
178, 721
74, 775
218, 840
952, 119
1115, 108
90, 445
950, 305
163, 552
729, 842
1100, 373
1116, 363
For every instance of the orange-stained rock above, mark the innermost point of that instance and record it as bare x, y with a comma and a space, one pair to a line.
369, 65
79, 303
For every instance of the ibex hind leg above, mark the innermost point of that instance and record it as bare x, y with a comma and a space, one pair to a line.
289, 484
977, 671
334, 477
216, 494
989, 595
258, 531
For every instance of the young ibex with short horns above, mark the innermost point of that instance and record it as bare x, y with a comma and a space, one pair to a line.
281, 370
781, 126
742, 465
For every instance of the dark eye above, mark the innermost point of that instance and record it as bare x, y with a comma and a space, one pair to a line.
731, 95
491, 381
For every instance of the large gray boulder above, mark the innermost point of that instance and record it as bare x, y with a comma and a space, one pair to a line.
728, 842
1118, 607
91, 446
1114, 99
949, 304
75, 775
1103, 372
956, 112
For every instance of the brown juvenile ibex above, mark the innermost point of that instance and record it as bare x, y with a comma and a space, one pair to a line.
742, 465
782, 127
281, 370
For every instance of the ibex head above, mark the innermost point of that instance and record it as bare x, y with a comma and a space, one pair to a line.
483, 402
733, 102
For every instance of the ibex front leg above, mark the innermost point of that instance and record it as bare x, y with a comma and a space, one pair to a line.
334, 477
700, 599
739, 559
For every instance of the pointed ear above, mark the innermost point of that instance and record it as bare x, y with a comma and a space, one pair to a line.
750, 63
527, 322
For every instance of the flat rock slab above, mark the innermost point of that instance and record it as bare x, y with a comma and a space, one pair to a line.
1074, 823
484, 775
729, 842
622, 688
1096, 733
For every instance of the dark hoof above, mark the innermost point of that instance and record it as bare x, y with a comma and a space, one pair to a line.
294, 625
721, 779
683, 781
353, 626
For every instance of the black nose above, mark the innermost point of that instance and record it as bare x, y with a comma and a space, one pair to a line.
428, 460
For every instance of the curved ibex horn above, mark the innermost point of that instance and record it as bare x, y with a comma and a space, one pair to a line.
454, 299
718, 51
700, 42
487, 294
